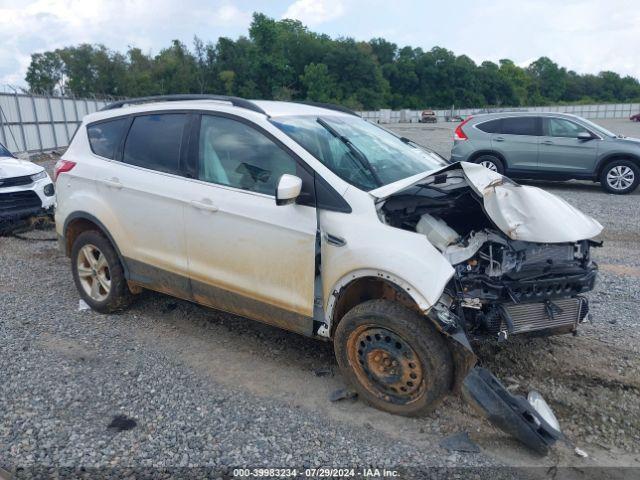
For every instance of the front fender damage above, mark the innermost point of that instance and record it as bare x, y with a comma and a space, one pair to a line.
513, 414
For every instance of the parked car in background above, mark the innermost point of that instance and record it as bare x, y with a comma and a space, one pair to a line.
311, 219
428, 116
552, 146
25, 190
635, 118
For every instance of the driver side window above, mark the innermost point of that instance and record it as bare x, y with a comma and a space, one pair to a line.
559, 127
234, 154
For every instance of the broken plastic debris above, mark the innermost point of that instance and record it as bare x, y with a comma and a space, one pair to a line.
121, 423
82, 305
581, 453
459, 442
323, 372
342, 394
543, 409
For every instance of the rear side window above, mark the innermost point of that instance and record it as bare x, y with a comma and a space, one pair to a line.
493, 126
154, 142
105, 137
520, 126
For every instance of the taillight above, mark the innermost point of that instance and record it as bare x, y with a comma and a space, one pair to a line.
459, 133
61, 167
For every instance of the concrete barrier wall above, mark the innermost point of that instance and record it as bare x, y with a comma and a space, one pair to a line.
612, 110
35, 123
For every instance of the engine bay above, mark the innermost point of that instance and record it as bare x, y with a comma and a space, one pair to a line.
501, 286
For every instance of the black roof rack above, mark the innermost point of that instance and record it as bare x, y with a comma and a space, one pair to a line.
330, 106
235, 101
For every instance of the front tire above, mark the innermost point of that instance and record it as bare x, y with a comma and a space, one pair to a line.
620, 177
394, 358
491, 162
98, 273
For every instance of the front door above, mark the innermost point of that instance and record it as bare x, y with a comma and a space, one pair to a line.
248, 255
561, 151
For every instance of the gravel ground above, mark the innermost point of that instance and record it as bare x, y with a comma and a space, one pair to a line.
211, 390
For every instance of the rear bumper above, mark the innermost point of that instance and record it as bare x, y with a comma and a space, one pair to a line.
461, 150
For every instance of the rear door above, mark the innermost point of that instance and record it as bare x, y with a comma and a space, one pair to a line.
518, 141
248, 255
145, 191
561, 151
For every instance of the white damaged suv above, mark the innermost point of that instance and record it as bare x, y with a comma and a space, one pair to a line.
309, 218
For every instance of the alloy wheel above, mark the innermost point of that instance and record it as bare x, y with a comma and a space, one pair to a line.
93, 272
620, 177
490, 165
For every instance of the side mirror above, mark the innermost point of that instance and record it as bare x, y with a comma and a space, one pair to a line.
584, 136
288, 189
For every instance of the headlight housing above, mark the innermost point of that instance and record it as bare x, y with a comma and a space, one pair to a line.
39, 176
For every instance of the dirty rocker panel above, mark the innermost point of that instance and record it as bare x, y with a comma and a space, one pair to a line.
180, 286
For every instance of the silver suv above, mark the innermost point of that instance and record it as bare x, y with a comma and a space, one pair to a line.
551, 146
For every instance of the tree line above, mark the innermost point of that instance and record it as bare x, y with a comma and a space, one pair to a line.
283, 60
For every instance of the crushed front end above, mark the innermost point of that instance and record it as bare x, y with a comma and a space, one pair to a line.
522, 256
512, 287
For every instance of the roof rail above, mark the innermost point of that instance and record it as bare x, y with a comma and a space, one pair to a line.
235, 101
330, 106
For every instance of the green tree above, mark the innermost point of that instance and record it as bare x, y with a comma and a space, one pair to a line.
318, 84
46, 73
283, 59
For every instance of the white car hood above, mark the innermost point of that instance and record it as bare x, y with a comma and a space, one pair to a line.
14, 167
520, 211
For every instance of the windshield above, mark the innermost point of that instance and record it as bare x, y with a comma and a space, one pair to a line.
357, 151
598, 128
4, 152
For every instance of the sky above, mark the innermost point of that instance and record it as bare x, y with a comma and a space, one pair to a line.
587, 36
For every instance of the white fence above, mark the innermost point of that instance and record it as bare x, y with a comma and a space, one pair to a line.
613, 110
34, 123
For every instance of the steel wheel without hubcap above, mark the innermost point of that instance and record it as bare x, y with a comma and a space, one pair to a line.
620, 177
490, 165
93, 272
385, 364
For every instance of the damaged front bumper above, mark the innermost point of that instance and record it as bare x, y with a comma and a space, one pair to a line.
510, 413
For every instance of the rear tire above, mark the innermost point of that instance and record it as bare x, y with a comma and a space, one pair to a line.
394, 358
620, 177
491, 162
98, 273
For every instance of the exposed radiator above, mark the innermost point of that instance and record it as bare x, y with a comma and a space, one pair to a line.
544, 253
530, 317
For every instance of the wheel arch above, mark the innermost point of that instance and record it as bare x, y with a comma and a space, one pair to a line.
78, 222
475, 155
358, 287
615, 156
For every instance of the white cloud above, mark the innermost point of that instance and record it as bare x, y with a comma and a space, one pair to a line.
315, 12
39, 25
232, 14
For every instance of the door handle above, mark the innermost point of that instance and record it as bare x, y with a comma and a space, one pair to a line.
547, 142
499, 139
207, 206
113, 183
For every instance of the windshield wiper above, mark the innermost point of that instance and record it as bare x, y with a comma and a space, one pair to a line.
355, 151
